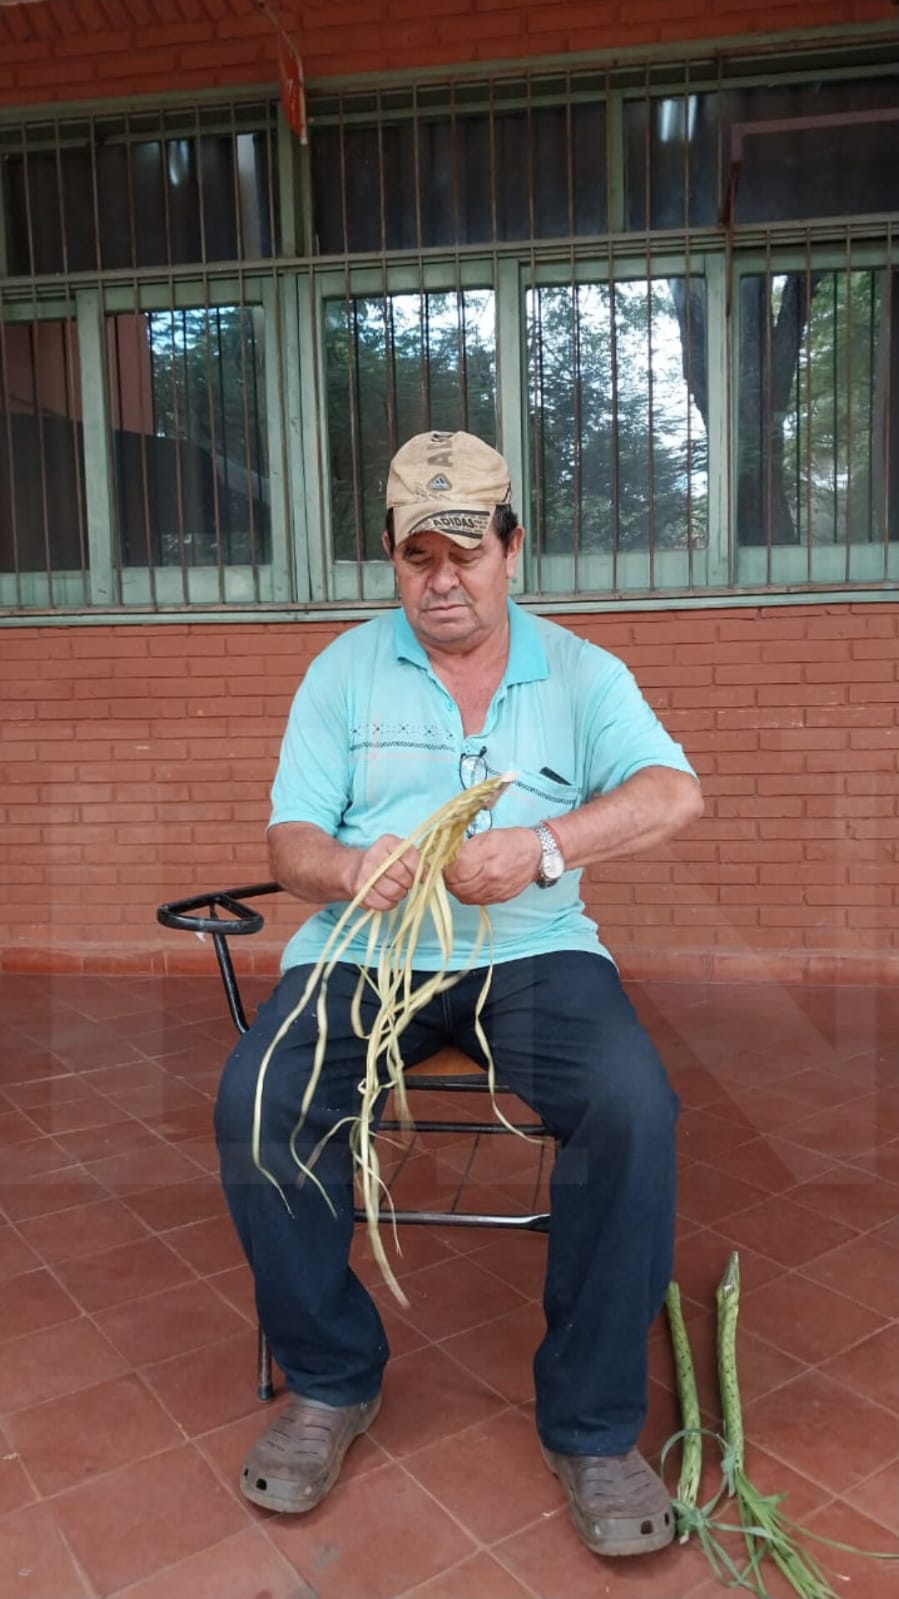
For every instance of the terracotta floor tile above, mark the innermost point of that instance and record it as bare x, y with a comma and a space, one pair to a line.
208, 1246
55, 1361
179, 1204
123, 1079
807, 1200
878, 1496
823, 1430
31, 1301
236, 1286
153, 1166
69, 1439
841, 1132
501, 1352
420, 1247
46, 1195
775, 1164
709, 1134
850, 1195
16, 1489
707, 1195
880, 1162
213, 1385
16, 1257
456, 1295
426, 1397
177, 1321
701, 1259
806, 1319
117, 1275
855, 1574
132, 1523
83, 1230
89, 1109
33, 1160
92, 1144
244, 1566
374, 1538
34, 1561
550, 1558
479, 1578
16, 1128
402, 1337
518, 1258
787, 1233
867, 1269
872, 1368
492, 1477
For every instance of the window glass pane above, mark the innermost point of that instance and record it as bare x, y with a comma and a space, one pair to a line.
818, 444
688, 150
466, 180
400, 365
187, 413
98, 198
42, 506
619, 447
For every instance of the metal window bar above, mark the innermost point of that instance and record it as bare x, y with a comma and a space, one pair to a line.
429, 119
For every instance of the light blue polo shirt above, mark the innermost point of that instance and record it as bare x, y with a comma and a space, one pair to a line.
374, 743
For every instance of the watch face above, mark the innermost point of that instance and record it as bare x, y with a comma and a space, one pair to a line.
553, 866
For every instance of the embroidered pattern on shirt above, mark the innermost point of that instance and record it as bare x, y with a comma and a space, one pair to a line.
387, 736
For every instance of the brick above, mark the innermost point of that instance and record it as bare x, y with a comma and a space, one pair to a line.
786, 672
805, 738
851, 671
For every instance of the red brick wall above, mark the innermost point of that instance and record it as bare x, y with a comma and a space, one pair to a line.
77, 50
136, 762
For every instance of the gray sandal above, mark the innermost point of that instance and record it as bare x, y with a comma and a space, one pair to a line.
297, 1460
618, 1504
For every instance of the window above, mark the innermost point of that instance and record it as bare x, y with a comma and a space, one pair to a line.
619, 445
817, 363
43, 540
138, 191
666, 289
188, 434
400, 364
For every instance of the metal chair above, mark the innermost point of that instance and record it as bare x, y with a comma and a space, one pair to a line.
224, 914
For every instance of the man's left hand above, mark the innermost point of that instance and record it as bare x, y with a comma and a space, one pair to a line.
494, 866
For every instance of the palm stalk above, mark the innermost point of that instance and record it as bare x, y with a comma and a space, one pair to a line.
765, 1531
688, 1397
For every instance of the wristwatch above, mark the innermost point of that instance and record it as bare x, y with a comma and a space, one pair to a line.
552, 861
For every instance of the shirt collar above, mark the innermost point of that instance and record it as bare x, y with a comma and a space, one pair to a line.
527, 658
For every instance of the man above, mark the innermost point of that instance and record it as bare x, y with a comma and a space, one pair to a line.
391, 721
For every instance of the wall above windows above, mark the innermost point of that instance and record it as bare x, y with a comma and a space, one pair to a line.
674, 316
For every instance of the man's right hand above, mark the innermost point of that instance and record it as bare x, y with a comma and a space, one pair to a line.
396, 881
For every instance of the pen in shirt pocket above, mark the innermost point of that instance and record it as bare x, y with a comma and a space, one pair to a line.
547, 771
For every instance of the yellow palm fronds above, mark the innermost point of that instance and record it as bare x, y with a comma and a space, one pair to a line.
390, 961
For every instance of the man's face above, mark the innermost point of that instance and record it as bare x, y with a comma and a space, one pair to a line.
454, 598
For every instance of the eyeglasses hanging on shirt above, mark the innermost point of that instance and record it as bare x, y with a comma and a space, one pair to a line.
473, 770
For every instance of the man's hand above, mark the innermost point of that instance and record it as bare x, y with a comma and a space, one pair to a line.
494, 866
396, 882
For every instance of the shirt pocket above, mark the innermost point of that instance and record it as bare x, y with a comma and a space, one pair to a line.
535, 797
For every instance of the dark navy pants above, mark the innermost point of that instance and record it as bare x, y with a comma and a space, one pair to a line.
566, 1039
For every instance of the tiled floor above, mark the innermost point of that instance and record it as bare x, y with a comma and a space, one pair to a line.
126, 1326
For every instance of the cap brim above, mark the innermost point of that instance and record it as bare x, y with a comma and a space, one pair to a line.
464, 525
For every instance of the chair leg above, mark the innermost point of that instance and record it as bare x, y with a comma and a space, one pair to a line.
264, 1386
